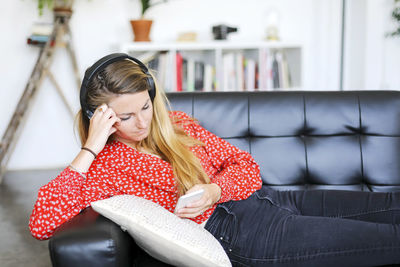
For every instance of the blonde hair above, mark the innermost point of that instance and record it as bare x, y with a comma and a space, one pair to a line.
166, 139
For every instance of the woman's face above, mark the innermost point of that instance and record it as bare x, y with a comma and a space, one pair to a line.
136, 112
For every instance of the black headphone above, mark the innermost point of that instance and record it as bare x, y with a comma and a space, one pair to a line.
102, 64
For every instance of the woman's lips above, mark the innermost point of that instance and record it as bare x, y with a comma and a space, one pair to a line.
141, 132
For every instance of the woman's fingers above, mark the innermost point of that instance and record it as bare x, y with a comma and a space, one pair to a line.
197, 207
212, 194
195, 188
99, 111
108, 113
102, 125
113, 121
104, 112
190, 212
112, 130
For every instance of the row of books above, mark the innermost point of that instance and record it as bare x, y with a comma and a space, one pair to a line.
160, 62
40, 34
187, 75
194, 75
177, 72
241, 73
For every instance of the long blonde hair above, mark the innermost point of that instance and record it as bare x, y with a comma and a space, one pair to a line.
166, 139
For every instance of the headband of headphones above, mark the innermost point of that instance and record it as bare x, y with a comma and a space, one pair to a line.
102, 64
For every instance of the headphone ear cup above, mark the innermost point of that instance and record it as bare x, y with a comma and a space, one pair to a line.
152, 91
89, 113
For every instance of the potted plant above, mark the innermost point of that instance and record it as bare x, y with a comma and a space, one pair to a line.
396, 17
141, 27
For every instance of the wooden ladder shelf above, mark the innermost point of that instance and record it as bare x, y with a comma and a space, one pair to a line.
60, 36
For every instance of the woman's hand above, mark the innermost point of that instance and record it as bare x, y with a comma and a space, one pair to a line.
212, 193
101, 127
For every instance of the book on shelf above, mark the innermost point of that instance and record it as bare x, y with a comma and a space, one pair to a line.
40, 34
39, 40
170, 72
285, 73
184, 74
229, 71
250, 74
275, 72
209, 81
240, 85
199, 76
42, 28
190, 75
179, 72
162, 69
269, 85
256, 77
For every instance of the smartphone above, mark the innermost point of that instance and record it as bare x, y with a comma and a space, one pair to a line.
184, 200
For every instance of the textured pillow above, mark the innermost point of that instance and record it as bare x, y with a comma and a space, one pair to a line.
162, 234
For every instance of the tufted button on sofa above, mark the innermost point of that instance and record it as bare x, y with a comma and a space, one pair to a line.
302, 140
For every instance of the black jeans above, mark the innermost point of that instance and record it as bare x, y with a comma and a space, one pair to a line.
310, 228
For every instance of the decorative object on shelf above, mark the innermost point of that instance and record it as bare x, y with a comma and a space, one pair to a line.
56, 5
40, 34
220, 32
142, 27
187, 37
396, 17
273, 25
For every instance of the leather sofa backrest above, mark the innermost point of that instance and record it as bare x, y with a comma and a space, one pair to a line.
308, 139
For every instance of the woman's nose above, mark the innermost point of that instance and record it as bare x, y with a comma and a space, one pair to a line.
140, 122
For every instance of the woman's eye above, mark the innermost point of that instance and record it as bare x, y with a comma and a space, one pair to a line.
124, 119
146, 107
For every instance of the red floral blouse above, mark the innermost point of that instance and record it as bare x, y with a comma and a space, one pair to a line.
120, 169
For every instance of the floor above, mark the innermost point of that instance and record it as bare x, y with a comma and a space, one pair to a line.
18, 192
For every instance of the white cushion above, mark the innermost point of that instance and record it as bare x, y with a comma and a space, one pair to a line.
162, 234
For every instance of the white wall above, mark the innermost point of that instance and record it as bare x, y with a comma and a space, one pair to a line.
355, 36
322, 50
371, 60
382, 54
99, 26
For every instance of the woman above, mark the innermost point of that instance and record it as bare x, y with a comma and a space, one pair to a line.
133, 145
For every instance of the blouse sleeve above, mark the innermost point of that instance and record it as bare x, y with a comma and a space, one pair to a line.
66, 195
238, 174
57, 202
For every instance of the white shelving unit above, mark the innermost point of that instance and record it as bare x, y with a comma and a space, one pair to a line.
222, 55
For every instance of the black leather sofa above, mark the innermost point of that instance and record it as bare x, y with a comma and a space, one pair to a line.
302, 140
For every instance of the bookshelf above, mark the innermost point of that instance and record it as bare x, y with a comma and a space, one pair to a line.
221, 65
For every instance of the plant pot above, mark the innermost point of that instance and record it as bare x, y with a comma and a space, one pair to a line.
141, 29
63, 7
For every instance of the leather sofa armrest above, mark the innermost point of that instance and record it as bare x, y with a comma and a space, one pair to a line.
90, 239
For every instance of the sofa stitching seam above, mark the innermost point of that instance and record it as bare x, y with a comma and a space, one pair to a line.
304, 139
359, 136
